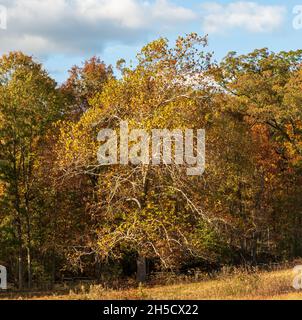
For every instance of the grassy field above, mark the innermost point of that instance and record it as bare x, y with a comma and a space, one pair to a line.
274, 285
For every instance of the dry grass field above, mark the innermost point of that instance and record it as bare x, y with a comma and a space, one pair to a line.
274, 285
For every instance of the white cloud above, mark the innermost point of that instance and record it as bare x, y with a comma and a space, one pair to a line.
164, 11
250, 16
80, 26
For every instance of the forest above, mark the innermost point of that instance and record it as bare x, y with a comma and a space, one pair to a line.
63, 215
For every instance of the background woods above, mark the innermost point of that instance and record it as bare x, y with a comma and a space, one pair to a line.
64, 215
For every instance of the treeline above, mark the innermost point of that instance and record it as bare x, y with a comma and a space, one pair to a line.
62, 214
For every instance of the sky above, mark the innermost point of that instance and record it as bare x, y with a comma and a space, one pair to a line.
62, 33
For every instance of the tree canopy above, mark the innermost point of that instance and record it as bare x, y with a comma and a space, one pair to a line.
62, 213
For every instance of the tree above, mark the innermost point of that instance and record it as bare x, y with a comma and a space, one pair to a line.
84, 83
263, 91
151, 210
29, 103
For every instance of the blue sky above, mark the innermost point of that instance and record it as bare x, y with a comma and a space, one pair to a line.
61, 33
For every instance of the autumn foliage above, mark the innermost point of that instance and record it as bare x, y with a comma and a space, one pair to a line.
62, 214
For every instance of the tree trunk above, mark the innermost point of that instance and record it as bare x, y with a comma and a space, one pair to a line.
53, 269
20, 268
28, 249
141, 274
20, 253
18, 219
29, 266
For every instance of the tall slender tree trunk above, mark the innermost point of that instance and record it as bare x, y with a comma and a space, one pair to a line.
141, 274
18, 218
53, 269
27, 173
28, 250
20, 240
141, 262
54, 228
29, 266
20, 270
20, 256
